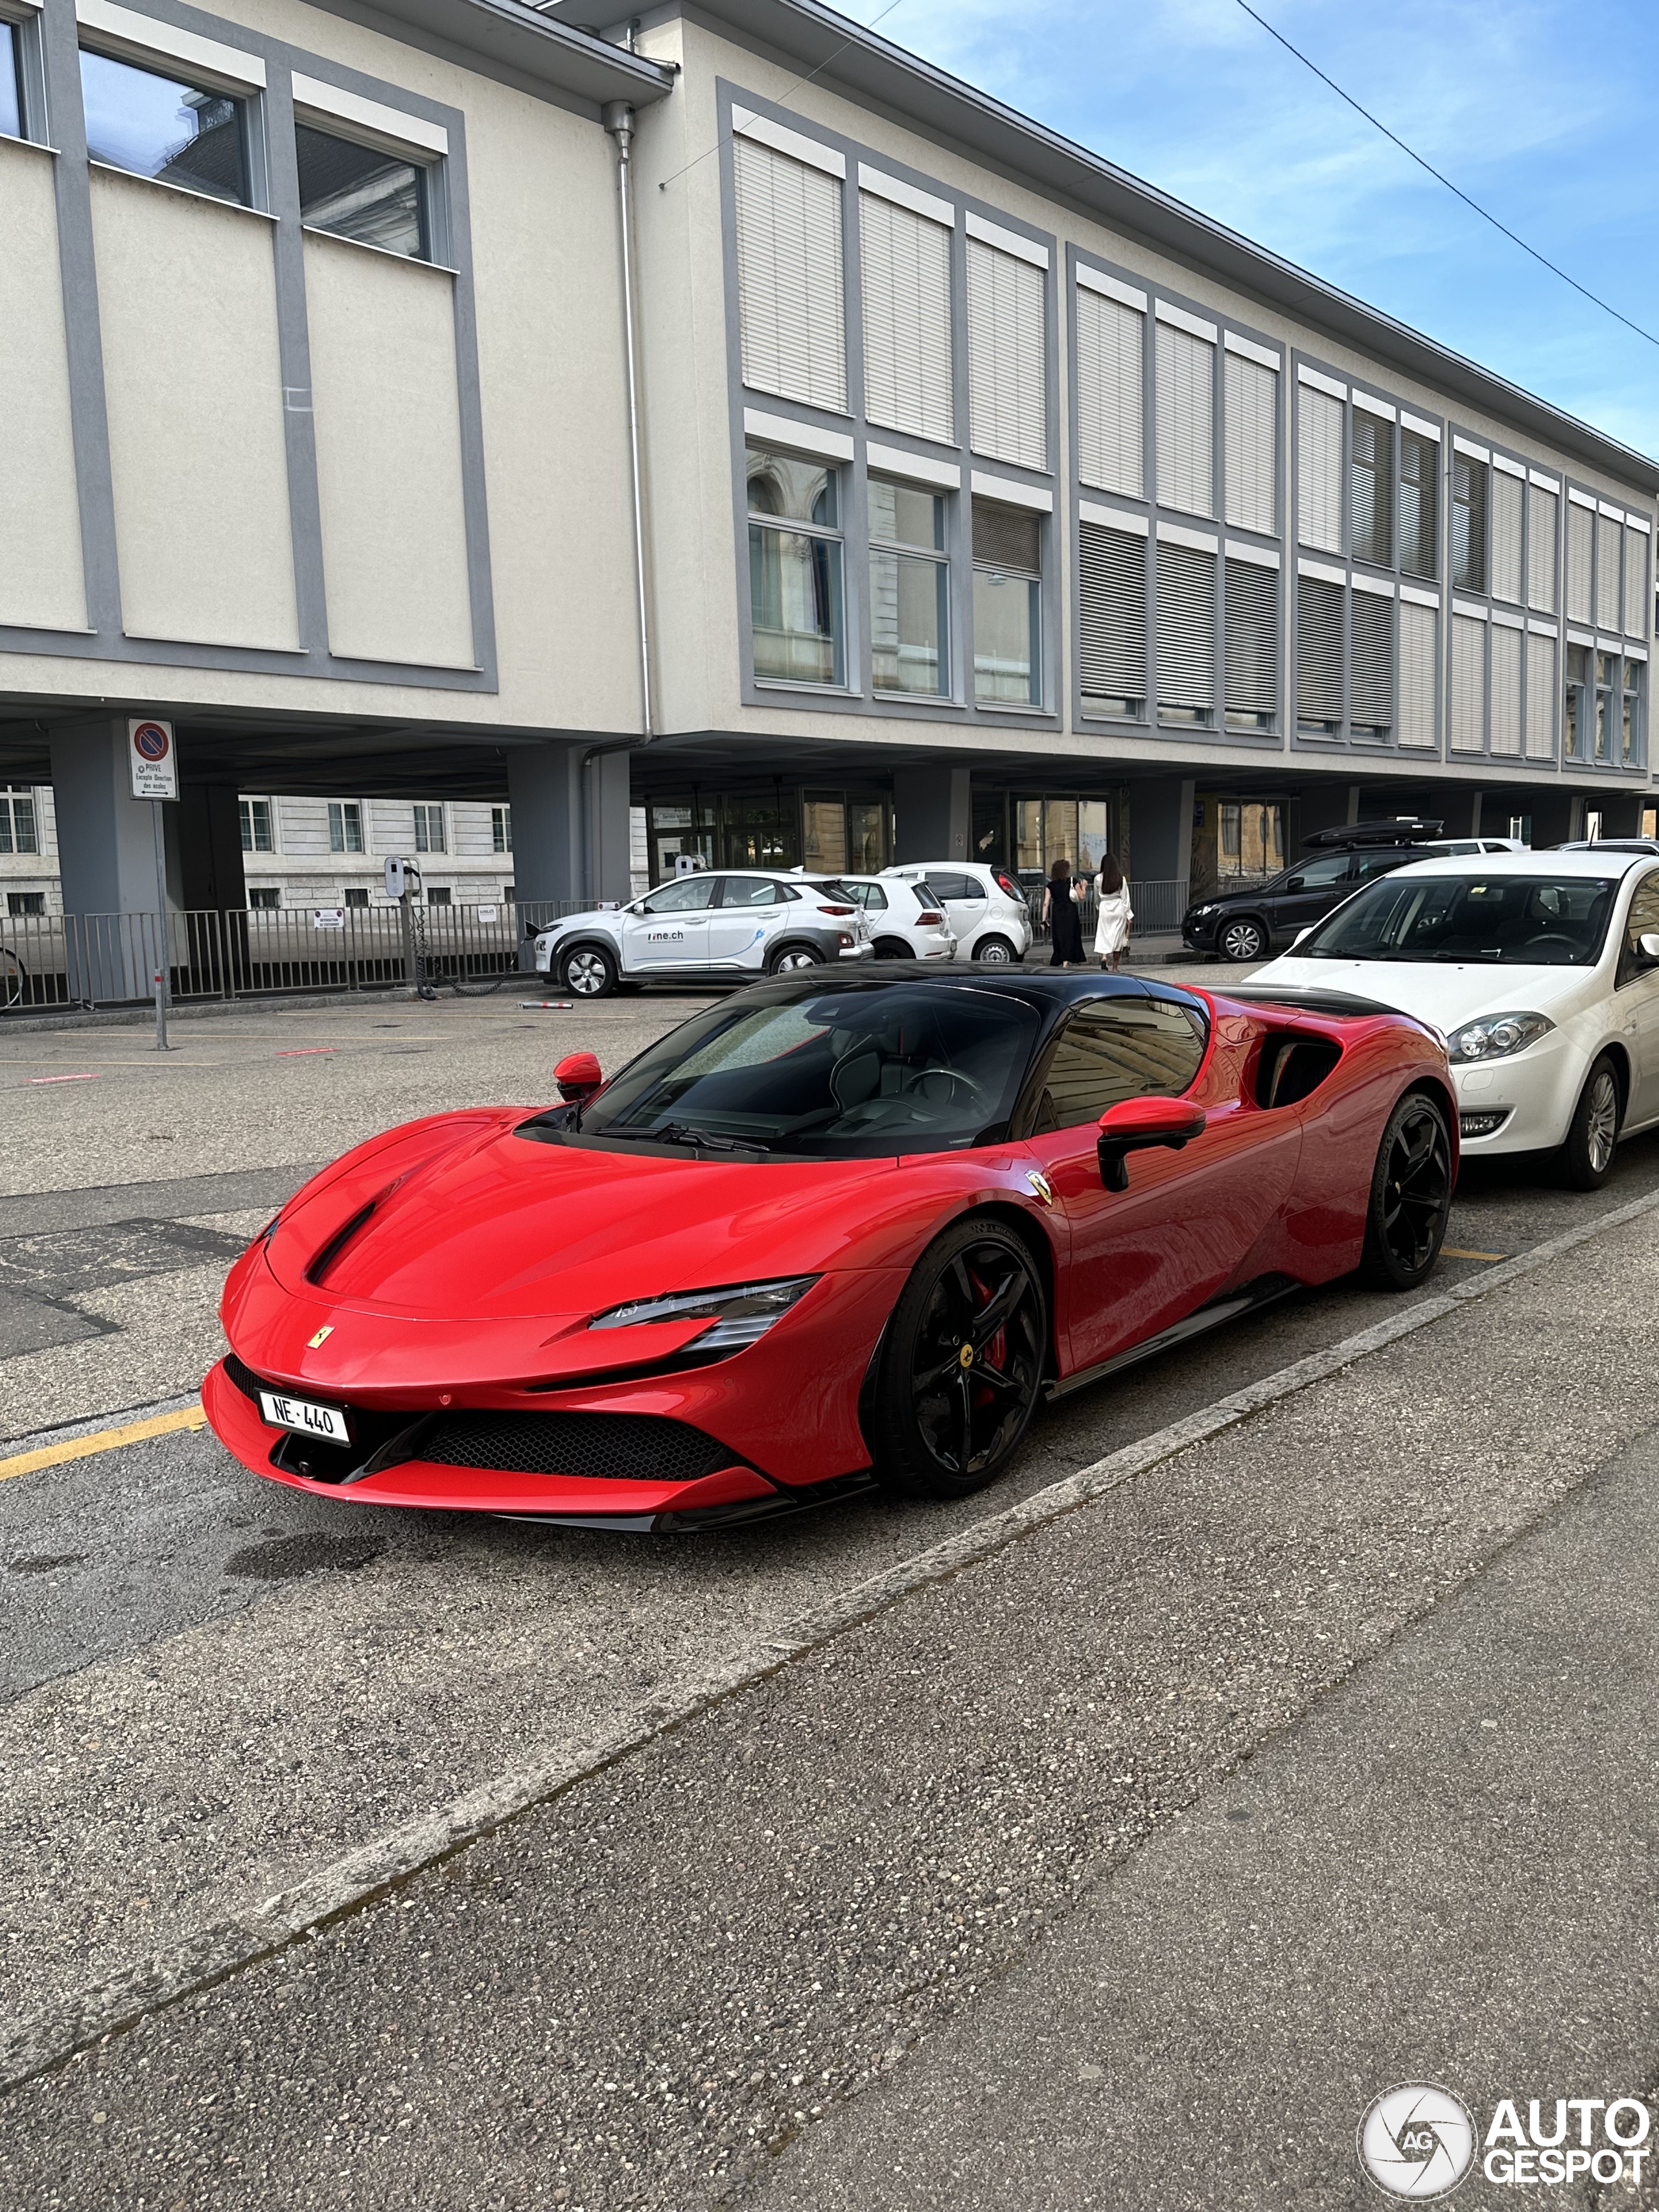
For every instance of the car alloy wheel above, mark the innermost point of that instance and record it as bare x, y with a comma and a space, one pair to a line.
1411, 1195
589, 973
797, 956
1593, 1136
1243, 940
994, 952
962, 1367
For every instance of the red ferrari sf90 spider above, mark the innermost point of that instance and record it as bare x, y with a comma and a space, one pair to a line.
828, 1234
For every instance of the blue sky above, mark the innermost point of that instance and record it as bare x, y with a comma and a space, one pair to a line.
1540, 109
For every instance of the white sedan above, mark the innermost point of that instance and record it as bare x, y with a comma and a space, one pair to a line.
1540, 969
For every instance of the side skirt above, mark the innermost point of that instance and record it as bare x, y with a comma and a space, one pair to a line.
1266, 1291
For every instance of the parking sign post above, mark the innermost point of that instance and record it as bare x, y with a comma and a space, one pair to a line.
155, 765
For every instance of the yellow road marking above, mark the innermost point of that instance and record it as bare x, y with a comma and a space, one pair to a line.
1452, 1252
102, 1440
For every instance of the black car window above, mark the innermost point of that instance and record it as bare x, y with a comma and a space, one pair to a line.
946, 887
1531, 920
1328, 868
685, 895
866, 1073
1369, 866
1644, 920
1117, 1048
754, 891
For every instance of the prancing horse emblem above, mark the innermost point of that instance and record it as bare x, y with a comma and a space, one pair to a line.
1041, 1189
312, 1342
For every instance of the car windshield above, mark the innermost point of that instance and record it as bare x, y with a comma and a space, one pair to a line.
838, 1075
1531, 921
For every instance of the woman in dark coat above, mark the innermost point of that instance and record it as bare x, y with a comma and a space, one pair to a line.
1060, 911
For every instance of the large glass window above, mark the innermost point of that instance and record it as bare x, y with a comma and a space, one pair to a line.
909, 589
257, 827
158, 126
1632, 750
1007, 605
11, 81
1419, 505
345, 827
795, 576
1577, 701
1606, 693
429, 837
1469, 523
19, 827
501, 829
1372, 488
358, 191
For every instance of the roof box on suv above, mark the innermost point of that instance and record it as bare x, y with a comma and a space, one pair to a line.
1403, 829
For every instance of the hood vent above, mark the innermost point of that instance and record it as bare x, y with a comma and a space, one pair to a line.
338, 1242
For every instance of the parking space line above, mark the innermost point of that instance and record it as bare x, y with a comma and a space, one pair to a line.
211, 1954
101, 1440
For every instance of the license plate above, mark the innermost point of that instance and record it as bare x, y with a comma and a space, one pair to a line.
309, 1420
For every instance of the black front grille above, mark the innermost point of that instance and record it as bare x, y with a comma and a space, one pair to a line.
622, 1447
245, 1378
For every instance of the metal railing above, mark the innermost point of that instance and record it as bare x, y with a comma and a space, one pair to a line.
1158, 908
88, 960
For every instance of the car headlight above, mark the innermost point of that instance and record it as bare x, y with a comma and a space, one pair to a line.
1203, 913
741, 1314
1495, 1037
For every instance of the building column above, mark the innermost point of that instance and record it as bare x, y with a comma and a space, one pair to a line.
570, 842
106, 860
1325, 804
210, 874
1557, 816
1160, 839
932, 810
1621, 814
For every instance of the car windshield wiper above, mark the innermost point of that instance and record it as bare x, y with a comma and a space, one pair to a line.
678, 1133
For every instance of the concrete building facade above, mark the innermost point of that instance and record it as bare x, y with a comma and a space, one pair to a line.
465, 406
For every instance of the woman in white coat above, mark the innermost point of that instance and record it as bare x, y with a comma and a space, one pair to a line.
1115, 912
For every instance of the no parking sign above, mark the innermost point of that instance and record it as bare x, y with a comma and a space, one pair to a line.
154, 761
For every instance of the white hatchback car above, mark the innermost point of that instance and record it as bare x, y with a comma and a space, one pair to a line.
984, 905
1540, 969
724, 926
906, 922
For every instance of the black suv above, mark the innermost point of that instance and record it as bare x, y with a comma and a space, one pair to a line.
1249, 925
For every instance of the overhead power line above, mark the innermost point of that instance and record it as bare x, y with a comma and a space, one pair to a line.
1484, 214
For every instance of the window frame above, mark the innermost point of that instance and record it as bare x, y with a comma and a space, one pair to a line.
948, 689
1037, 580
28, 49
244, 88
422, 812
349, 812
840, 476
429, 164
253, 814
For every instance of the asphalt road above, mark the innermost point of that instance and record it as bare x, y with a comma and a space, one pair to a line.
766, 1953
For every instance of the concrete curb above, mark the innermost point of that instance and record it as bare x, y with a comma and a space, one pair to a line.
50, 2038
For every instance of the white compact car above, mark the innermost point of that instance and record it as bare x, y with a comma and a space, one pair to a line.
984, 906
1541, 971
715, 926
906, 922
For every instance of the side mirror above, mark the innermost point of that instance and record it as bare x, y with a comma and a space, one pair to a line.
578, 1076
1648, 946
1135, 1125
1296, 884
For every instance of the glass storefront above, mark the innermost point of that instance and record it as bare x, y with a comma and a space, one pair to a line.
828, 831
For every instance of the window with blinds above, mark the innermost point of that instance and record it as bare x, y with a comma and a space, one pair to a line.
1111, 340
1371, 674
1508, 500
1608, 533
1419, 654
1007, 389
1319, 654
1371, 488
1638, 613
1469, 684
1251, 642
1250, 398
1541, 507
906, 319
1186, 420
791, 309
1318, 468
1419, 503
1540, 696
1112, 619
1186, 634
1507, 647
1581, 544
1468, 522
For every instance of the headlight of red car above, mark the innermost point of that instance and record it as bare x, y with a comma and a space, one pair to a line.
741, 1312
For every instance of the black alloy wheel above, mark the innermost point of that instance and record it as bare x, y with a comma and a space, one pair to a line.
961, 1368
1411, 1195
1587, 1156
589, 972
1242, 939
